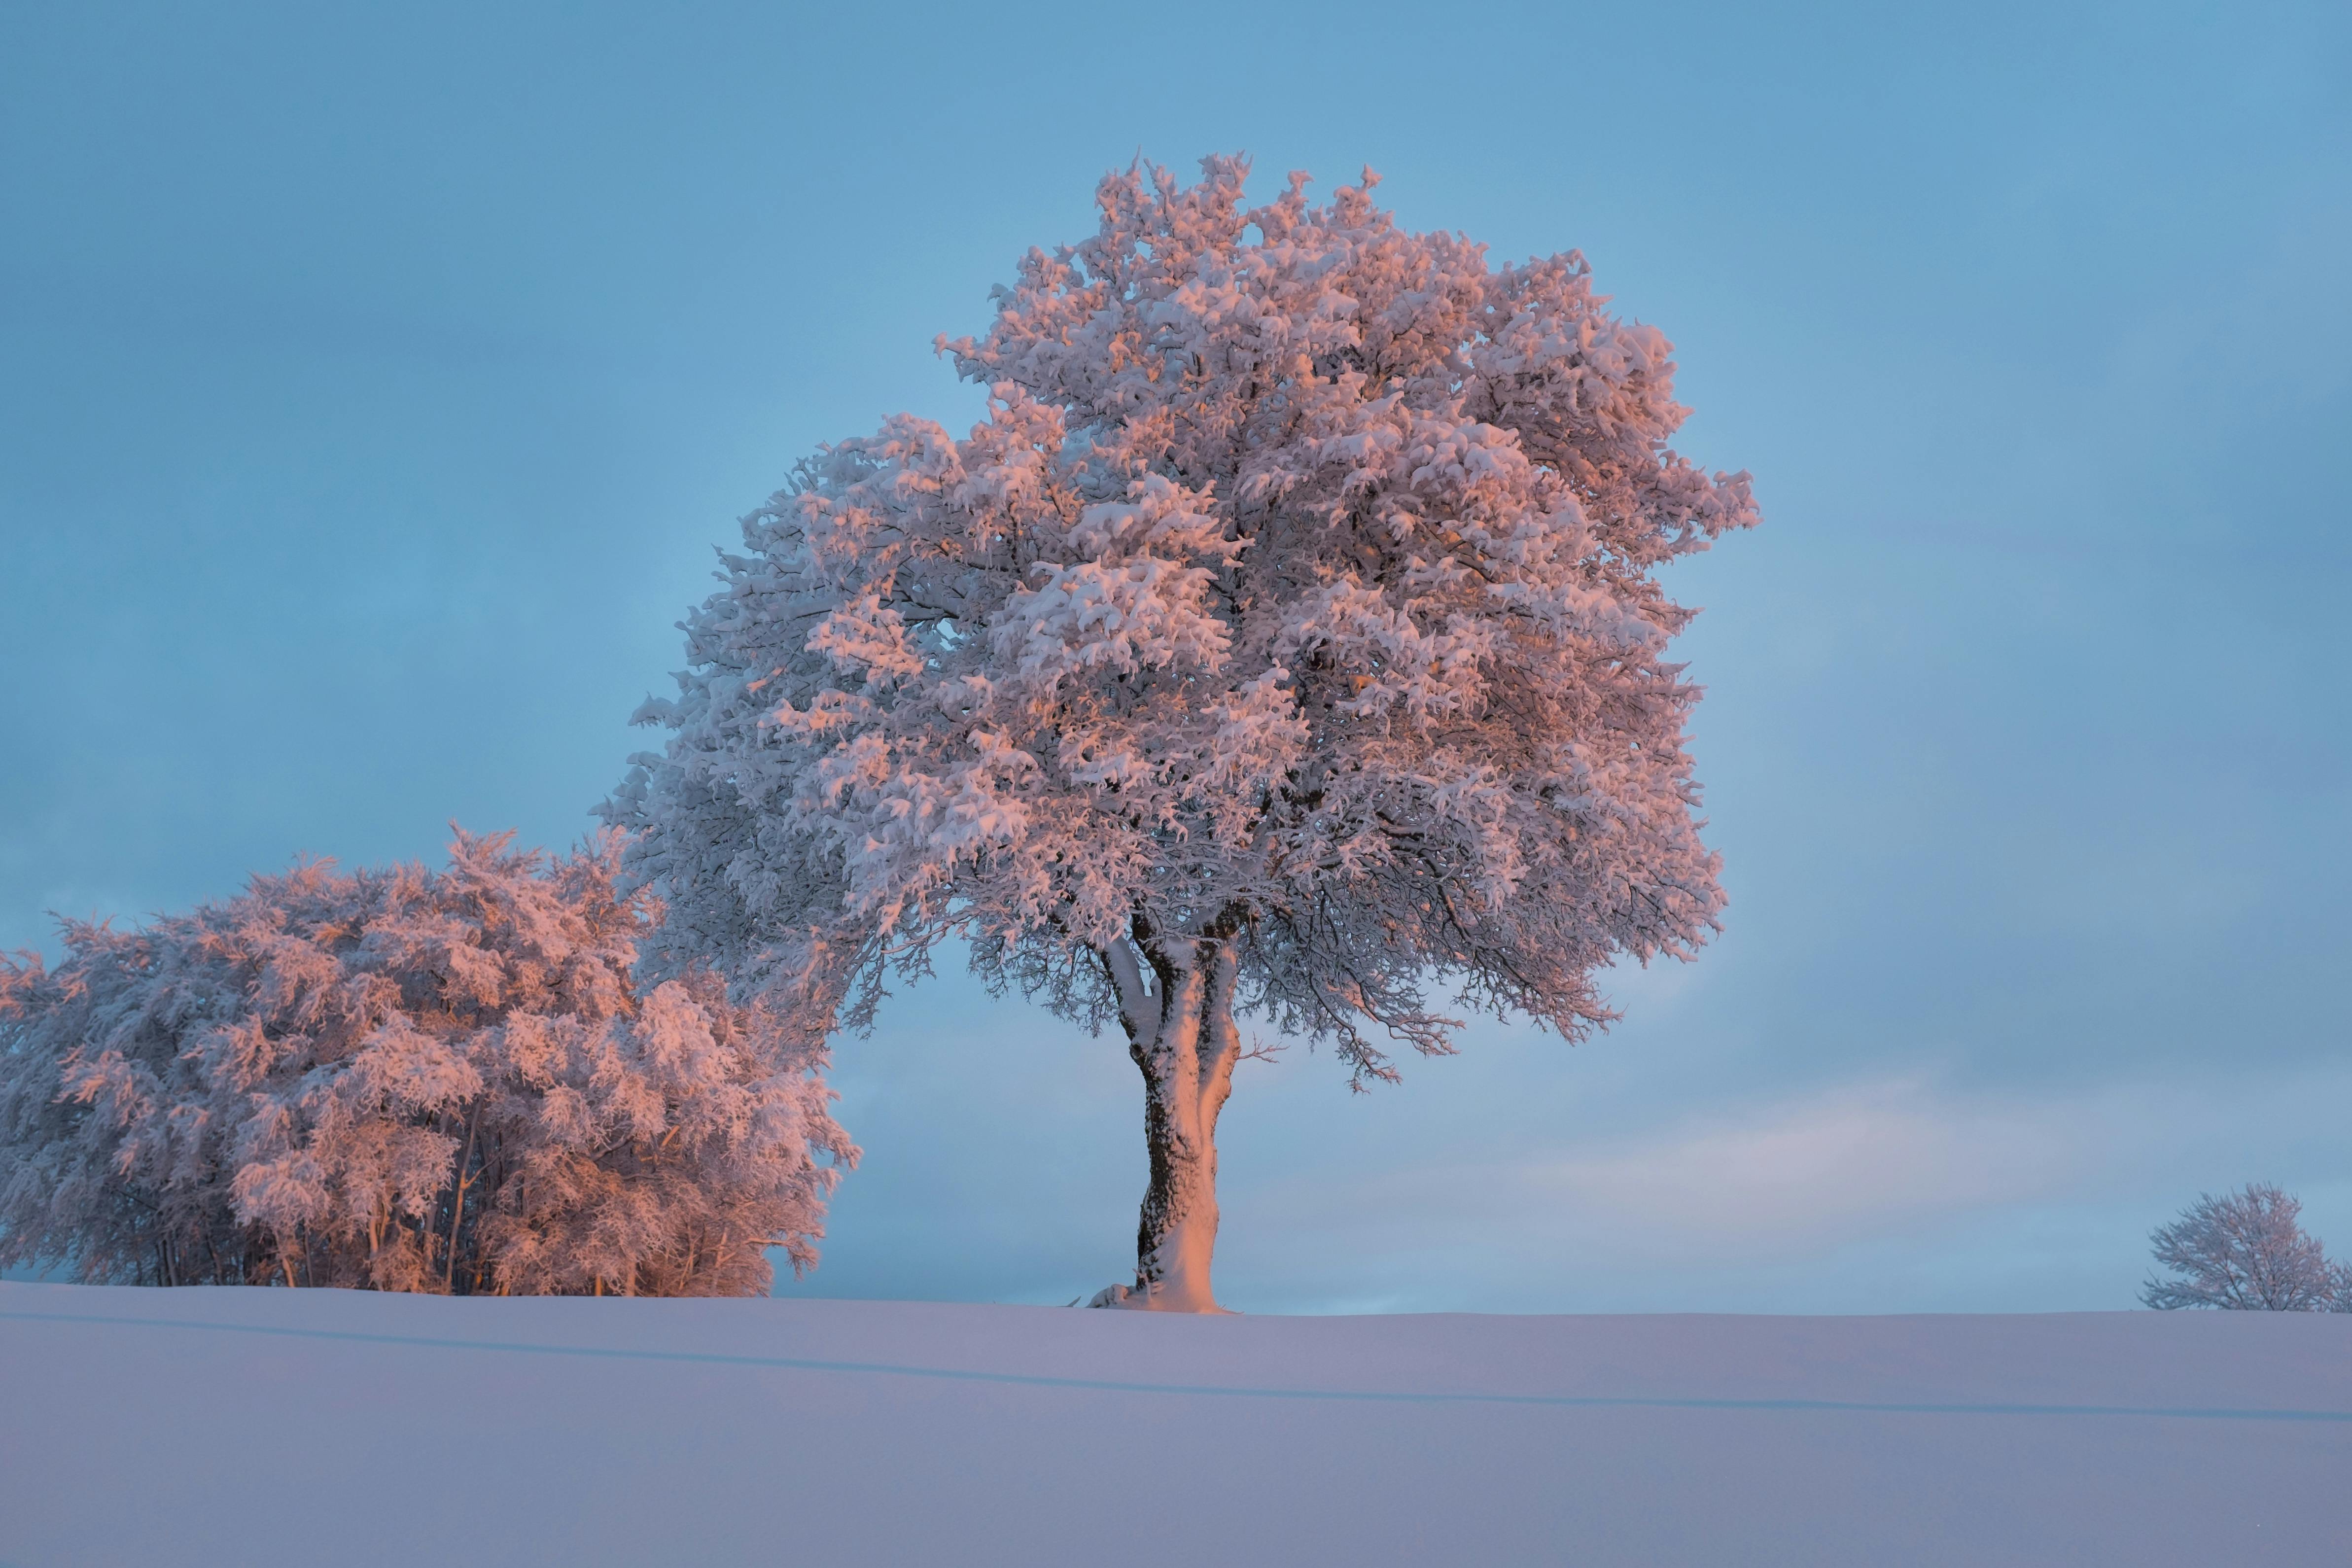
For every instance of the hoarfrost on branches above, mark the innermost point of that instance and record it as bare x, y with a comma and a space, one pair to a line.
1285, 640
2245, 1252
407, 1080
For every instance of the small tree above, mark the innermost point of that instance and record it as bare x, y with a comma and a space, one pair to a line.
2244, 1252
406, 1080
1283, 639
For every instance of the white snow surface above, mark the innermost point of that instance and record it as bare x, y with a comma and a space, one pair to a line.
266, 1426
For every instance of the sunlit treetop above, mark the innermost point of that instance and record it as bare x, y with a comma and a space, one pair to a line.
1292, 605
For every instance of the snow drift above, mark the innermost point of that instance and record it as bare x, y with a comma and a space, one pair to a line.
264, 1427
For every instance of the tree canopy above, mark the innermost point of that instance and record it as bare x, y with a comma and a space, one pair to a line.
1298, 579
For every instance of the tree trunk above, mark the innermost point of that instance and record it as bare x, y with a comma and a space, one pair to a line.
1182, 1037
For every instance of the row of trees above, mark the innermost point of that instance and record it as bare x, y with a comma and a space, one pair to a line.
2246, 1251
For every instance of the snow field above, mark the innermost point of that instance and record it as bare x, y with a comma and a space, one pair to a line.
270, 1426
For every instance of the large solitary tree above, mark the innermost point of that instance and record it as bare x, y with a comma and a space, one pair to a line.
1284, 641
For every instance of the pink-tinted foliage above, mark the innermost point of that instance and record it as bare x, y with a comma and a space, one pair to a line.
410, 1079
1288, 623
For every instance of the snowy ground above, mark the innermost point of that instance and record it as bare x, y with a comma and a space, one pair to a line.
279, 1426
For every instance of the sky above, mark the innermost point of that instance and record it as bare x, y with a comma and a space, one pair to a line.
378, 381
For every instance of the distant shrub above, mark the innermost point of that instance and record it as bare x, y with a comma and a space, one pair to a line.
406, 1080
2245, 1252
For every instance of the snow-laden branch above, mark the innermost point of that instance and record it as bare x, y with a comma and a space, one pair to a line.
1134, 1000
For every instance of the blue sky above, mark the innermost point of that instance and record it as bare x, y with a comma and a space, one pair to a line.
378, 384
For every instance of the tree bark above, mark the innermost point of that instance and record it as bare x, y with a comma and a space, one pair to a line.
1181, 1036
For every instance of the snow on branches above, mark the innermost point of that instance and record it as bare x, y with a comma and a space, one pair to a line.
406, 1080
1297, 579
2245, 1252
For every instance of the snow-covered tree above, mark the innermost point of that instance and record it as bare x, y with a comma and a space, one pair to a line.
2244, 1252
1284, 641
407, 1080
